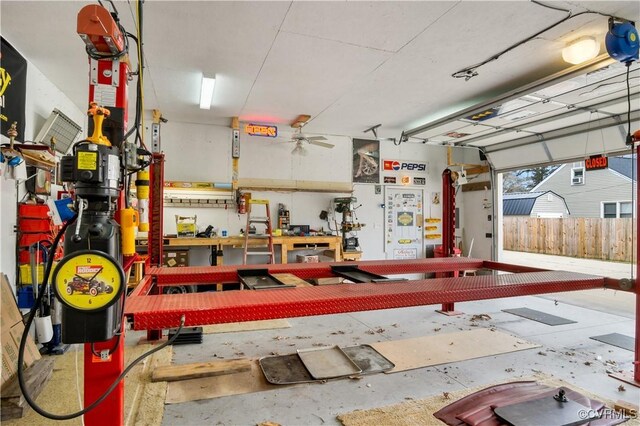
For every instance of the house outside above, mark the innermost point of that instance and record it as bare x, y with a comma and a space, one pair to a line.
541, 204
605, 193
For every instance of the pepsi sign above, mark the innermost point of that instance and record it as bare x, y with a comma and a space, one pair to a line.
404, 166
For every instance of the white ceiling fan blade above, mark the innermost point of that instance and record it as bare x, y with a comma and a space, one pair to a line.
322, 144
316, 138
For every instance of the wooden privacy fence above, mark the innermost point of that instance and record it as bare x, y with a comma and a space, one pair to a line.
591, 238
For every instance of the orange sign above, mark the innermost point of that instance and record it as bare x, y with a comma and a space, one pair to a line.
261, 130
596, 162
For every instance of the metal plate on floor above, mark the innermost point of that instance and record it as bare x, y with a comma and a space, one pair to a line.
618, 340
368, 359
328, 362
546, 411
285, 370
539, 316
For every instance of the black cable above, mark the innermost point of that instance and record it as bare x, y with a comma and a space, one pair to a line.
471, 71
113, 6
23, 342
548, 6
629, 140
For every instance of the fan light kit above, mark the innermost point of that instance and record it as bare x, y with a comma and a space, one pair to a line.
300, 139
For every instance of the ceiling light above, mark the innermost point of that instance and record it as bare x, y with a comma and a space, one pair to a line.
581, 50
206, 92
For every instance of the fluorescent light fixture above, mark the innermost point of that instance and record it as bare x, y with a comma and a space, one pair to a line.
206, 92
581, 50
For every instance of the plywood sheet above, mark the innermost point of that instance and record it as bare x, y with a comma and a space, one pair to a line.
419, 352
215, 387
292, 280
234, 327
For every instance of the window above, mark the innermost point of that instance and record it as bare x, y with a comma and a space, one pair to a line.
626, 210
577, 174
617, 209
609, 210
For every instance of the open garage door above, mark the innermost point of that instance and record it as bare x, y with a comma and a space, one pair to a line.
569, 116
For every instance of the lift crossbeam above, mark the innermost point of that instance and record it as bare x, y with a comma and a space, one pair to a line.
164, 311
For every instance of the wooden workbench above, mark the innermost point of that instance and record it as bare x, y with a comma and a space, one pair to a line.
286, 243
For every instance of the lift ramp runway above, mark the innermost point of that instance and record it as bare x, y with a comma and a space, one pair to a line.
154, 312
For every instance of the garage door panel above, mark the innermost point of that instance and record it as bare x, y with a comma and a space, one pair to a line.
521, 156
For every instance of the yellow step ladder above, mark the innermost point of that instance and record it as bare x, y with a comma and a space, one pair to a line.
251, 248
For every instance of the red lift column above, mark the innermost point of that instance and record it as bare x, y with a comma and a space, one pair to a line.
108, 80
156, 223
448, 231
636, 361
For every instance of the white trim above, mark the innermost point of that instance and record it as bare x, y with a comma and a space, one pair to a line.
535, 188
627, 178
573, 175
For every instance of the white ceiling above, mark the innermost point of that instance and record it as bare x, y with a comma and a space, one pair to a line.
350, 65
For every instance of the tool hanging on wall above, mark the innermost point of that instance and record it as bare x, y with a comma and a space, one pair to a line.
348, 226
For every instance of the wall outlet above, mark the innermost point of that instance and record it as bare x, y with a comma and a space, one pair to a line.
378, 189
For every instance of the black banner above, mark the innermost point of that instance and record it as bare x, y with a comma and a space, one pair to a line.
13, 89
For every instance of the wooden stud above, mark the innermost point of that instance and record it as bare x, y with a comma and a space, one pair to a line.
172, 373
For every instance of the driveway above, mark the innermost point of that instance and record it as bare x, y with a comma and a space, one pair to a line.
604, 300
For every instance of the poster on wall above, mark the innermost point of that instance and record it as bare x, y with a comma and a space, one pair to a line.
366, 161
13, 86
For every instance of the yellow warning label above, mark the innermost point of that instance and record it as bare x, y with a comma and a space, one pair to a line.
87, 161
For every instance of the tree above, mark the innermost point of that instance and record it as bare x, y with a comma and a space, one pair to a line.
525, 180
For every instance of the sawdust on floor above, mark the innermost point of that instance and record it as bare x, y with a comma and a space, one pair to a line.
143, 400
421, 411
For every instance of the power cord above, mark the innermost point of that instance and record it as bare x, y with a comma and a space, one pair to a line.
471, 71
23, 342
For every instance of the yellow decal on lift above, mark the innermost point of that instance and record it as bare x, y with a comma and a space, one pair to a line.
87, 161
404, 241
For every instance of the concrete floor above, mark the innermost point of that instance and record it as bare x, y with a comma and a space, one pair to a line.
566, 349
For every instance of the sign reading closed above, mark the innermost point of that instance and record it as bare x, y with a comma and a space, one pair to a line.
596, 162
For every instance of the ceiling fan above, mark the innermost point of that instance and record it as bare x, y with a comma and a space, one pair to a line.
301, 139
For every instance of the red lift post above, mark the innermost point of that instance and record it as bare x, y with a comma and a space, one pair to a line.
108, 80
448, 248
